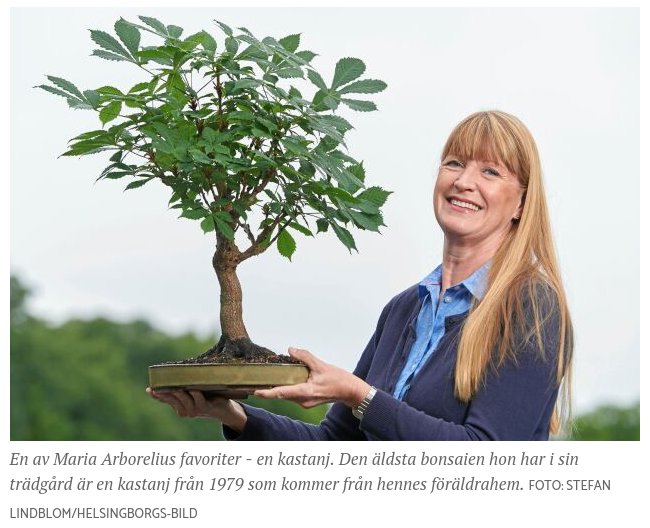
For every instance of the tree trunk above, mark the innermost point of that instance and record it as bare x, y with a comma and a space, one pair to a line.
231, 317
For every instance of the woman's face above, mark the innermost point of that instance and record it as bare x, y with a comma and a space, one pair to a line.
475, 201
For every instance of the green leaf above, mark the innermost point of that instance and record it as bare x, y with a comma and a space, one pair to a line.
226, 29
174, 31
155, 24
129, 35
305, 55
136, 184
347, 70
200, 157
207, 224
205, 40
109, 43
344, 236
194, 214
317, 80
155, 55
224, 227
110, 112
366, 86
109, 56
323, 225
232, 45
54, 91
289, 73
360, 106
92, 96
301, 229
375, 195
286, 244
290, 42
77, 103
365, 221
358, 171
67, 86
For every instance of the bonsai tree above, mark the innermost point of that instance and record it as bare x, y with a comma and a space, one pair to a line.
242, 150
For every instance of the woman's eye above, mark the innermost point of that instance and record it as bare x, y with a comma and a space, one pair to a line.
491, 172
453, 163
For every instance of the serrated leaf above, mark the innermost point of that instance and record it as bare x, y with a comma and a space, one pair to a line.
360, 106
366, 86
200, 157
301, 229
109, 43
365, 221
67, 86
174, 31
136, 184
205, 40
53, 90
305, 55
317, 80
155, 24
194, 214
375, 195
344, 236
78, 104
109, 56
322, 225
232, 45
207, 224
358, 171
347, 70
286, 244
110, 111
92, 96
224, 228
129, 35
290, 42
226, 29
289, 73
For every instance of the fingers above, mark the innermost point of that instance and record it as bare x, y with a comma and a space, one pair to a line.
313, 363
181, 401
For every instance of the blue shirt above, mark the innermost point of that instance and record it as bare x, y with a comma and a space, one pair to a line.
430, 326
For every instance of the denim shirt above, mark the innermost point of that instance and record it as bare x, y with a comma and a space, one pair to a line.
430, 326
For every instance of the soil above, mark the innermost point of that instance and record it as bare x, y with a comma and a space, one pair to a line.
236, 351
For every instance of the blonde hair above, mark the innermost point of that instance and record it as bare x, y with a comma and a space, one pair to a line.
524, 270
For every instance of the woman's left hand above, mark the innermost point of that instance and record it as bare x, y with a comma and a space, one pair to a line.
326, 383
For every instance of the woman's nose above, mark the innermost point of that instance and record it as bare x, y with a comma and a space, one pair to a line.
466, 179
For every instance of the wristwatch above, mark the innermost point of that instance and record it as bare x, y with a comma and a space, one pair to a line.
360, 409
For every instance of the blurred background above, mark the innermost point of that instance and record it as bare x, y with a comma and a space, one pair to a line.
105, 283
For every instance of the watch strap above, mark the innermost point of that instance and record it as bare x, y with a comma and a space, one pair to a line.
360, 409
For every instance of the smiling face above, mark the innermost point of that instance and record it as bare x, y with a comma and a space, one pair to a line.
475, 201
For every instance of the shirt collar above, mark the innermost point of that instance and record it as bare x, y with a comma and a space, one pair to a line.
476, 283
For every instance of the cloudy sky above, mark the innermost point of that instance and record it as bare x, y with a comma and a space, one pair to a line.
572, 75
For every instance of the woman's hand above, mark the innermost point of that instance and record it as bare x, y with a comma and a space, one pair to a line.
326, 383
193, 404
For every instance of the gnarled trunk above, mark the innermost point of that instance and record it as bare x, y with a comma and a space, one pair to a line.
231, 317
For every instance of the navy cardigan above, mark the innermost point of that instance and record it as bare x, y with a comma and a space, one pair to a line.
515, 402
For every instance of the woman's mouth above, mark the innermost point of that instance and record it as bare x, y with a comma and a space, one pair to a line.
464, 205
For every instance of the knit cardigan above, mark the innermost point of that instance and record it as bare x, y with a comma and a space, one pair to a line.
515, 401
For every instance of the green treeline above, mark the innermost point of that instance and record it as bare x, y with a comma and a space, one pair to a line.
86, 380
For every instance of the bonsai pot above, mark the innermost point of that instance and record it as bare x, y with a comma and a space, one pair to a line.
231, 380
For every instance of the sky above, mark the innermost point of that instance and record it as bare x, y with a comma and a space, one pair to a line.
572, 75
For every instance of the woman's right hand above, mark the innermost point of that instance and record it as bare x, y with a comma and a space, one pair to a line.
192, 403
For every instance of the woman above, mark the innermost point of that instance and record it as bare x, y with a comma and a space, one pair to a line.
478, 350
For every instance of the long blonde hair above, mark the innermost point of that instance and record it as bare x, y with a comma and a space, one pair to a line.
525, 261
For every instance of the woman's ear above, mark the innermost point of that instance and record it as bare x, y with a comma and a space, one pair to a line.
520, 209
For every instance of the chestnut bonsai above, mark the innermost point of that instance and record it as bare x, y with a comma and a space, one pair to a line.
243, 151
